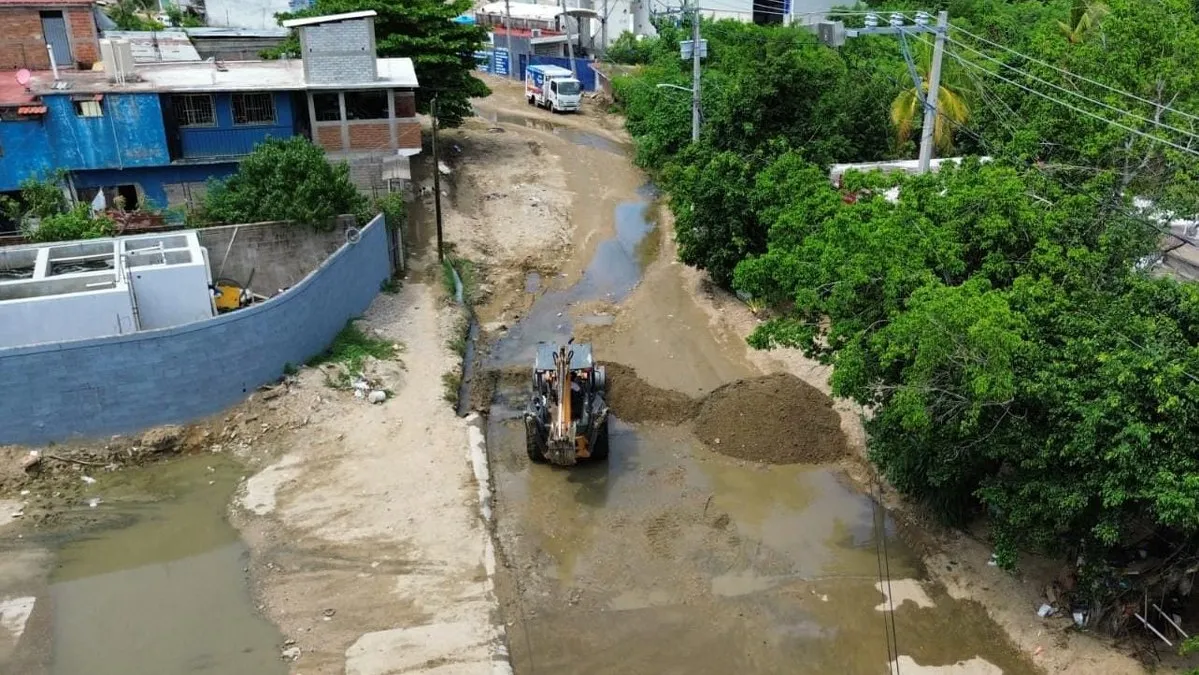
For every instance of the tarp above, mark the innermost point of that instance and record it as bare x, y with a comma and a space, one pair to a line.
583, 71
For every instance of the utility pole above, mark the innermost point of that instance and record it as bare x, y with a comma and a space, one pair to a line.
604, 29
570, 50
436, 178
934, 86
695, 51
508, 34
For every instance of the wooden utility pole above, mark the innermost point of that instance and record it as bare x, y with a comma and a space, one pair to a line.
436, 178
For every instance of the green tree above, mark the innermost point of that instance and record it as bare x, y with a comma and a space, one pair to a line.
283, 180
953, 110
441, 50
1084, 20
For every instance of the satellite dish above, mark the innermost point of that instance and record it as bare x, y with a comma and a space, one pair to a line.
23, 77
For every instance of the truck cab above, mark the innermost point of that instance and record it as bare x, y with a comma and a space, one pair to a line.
552, 87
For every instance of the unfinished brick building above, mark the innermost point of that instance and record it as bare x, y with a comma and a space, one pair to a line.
28, 26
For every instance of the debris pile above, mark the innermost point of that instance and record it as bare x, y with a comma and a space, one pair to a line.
635, 400
777, 419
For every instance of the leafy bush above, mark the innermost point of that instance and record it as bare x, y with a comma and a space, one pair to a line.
630, 50
76, 223
283, 180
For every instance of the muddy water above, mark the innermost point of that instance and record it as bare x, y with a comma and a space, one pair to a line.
566, 133
669, 558
165, 593
615, 269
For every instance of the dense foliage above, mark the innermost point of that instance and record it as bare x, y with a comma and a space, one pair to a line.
999, 320
283, 180
43, 214
441, 50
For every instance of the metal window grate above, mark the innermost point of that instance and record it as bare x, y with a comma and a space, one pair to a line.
194, 110
253, 109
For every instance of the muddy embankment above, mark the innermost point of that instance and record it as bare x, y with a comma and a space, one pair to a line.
774, 419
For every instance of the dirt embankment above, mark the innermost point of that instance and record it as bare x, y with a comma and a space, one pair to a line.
776, 419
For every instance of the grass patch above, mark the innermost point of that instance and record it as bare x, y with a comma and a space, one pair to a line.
467, 272
350, 349
451, 382
391, 285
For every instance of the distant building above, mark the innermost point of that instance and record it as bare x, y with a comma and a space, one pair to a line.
235, 44
155, 133
27, 27
252, 14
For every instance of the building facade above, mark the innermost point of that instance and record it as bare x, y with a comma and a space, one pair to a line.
155, 135
27, 27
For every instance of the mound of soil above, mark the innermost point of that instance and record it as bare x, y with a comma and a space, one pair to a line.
777, 419
632, 399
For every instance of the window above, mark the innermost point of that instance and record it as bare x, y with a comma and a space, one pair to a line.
366, 105
568, 88
253, 109
194, 110
327, 107
89, 108
124, 196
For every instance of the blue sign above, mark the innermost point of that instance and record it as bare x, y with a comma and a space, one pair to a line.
494, 61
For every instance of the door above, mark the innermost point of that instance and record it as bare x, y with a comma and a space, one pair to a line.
54, 29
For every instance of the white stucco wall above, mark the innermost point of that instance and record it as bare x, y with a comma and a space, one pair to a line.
245, 13
76, 316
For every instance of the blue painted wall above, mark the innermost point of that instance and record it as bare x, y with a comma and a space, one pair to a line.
582, 71
127, 383
130, 133
153, 179
24, 153
228, 140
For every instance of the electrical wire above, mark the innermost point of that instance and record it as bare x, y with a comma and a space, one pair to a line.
1084, 97
1073, 75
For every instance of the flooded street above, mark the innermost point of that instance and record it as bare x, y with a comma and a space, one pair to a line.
158, 587
671, 558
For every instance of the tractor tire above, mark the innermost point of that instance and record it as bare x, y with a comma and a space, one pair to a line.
531, 100
531, 447
599, 453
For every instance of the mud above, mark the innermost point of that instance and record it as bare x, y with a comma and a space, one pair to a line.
776, 419
632, 399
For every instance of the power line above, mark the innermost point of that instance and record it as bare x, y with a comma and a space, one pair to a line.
1073, 75
1074, 93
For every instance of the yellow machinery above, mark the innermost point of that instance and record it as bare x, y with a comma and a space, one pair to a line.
567, 418
229, 295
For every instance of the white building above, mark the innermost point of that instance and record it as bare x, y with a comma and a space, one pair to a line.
100, 287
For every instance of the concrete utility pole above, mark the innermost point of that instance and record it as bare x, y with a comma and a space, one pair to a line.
436, 177
604, 30
695, 71
508, 34
570, 50
934, 86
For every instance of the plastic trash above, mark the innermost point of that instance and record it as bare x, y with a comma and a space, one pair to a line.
1045, 610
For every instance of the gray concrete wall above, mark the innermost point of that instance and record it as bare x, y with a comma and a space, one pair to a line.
120, 384
244, 13
277, 255
339, 53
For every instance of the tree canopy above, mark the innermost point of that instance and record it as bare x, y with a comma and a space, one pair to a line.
441, 50
1003, 321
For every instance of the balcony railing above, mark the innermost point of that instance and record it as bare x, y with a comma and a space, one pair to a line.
218, 142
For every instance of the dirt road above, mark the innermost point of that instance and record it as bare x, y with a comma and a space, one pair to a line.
674, 558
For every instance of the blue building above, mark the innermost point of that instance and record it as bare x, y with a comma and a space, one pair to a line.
155, 133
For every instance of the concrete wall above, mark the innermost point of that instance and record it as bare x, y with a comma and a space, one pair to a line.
32, 321
278, 255
130, 133
245, 13
127, 383
339, 53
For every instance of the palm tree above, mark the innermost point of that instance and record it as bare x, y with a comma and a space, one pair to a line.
1084, 18
952, 108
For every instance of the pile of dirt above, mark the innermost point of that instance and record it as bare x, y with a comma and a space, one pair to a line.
777, 419
635, 400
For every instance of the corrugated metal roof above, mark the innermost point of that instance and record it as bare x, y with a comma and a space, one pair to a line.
167, 46
220, 32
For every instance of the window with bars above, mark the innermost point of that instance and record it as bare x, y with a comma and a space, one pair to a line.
253, 109
194, 110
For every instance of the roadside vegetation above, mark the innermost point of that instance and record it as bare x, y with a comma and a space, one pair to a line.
1001, 320
43, 213
350, 350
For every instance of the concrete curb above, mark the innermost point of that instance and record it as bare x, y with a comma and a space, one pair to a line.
476, 453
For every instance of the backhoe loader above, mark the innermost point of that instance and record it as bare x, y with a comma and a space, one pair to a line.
566, 419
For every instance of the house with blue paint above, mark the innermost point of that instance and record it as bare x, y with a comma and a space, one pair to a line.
154, 134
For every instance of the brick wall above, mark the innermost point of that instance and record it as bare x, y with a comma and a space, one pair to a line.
84, 42
329, 137
21, 42
405, 104
23, 45
126, 383
370, 136
339, 53
409, 134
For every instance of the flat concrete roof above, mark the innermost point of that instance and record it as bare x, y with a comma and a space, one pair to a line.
329, 18
160, 46
204, 76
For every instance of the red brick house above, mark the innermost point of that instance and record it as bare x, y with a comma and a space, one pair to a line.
28, 26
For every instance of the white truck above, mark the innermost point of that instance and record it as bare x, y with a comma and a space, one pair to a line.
552, 87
